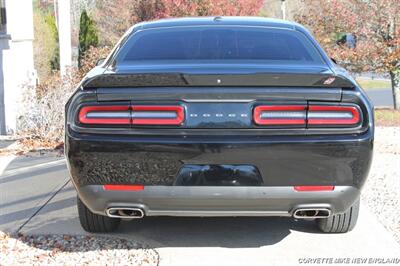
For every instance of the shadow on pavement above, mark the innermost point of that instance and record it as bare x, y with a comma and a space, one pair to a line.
20, 214
31, 198
37, 172
230, 232
239, 232
60, 216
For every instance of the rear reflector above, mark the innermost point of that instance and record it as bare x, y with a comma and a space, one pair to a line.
106, 115
333, 115
280, 115
157, 115
123, 187
135, 115
314, 188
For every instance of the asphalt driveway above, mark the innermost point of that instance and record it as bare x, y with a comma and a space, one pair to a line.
381, 97
38, 198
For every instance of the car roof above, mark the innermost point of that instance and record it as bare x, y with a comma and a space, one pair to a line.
208, 21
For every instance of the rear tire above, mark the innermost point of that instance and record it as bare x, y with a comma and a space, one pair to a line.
340, 223
95, 223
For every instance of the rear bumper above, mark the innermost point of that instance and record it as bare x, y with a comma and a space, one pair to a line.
342, 161
217, 201
335, 160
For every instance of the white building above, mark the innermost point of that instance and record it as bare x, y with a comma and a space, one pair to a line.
16, 58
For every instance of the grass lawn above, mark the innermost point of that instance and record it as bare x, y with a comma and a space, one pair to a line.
374, 83
387, 117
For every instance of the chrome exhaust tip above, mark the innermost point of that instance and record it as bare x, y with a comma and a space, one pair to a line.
125, 213
311, 213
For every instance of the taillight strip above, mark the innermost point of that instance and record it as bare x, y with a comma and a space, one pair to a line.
157, 115
313, 115
333, 115
106, 115
280, 115
132, 114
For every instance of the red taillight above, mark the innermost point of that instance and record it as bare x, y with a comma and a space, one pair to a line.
314, 188
135, 115
333, 115
157, 115
106, 115
280, 115
311, 115
124, 187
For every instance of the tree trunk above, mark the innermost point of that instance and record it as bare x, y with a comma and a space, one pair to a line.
395, 76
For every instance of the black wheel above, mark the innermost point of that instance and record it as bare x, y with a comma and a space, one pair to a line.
95, 223
340, 223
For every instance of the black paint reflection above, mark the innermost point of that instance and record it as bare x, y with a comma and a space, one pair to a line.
218, 175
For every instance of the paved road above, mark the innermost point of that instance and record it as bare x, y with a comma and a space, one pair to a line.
4, 143
381, 97
37, 198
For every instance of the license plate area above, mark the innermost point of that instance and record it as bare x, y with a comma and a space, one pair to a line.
218, 115
218, 175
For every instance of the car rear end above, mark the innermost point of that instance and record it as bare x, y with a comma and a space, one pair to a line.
212, 120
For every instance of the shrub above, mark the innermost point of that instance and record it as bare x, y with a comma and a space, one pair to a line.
46, 51
42, 108
87, 35
55, 60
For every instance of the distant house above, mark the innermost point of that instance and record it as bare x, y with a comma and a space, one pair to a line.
16, 58
276, 8
348, 39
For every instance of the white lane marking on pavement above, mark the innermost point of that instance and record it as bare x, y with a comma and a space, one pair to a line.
33, 167
4, 162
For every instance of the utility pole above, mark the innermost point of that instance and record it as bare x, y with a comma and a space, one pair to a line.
2, 105
283, 9
64, 34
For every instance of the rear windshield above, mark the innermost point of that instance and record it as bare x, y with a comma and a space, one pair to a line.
218, 44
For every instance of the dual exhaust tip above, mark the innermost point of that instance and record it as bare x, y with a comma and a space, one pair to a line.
137, 213
311, 213
125, 213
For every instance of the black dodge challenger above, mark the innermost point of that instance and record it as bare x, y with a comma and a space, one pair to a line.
221, 116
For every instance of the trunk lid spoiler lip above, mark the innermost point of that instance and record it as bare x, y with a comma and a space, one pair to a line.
218, 75
217, 80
